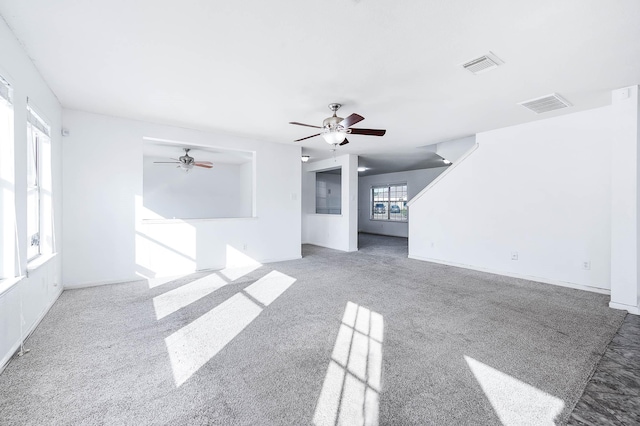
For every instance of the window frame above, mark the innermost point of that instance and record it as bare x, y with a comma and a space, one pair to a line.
388, 202
37, 129
7, 198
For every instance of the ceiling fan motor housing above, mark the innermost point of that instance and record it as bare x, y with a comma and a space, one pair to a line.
186, 159
332, 122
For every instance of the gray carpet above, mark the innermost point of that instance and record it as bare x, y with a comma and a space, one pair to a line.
458, 347
380, 245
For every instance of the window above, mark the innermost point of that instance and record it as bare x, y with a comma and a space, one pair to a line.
7, 198
37, 137
389, 202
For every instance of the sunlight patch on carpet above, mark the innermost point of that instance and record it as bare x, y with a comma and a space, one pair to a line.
171, 301
195, 344
270, 287
515, 402
351, 389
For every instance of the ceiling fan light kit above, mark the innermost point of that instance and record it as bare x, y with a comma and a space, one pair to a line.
333, 132
334, 136
186, 162
335, 129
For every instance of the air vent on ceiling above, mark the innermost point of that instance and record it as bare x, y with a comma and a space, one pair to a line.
546, 103
483, 63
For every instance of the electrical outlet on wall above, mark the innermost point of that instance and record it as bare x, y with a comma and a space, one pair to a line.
586, 265
514, 255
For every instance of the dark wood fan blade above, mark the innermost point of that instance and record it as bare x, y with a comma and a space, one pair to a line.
351, 120
207, 164
312, 136
344, 142
167, 162
368, 132
302, 124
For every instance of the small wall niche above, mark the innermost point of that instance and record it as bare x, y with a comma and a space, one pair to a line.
329, 191
170, 192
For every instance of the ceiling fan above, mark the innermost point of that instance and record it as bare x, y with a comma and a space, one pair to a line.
186, 162
335, 129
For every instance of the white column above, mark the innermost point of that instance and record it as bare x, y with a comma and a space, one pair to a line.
625, 196
350, 198
333, 231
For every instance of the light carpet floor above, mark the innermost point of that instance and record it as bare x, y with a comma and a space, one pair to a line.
281, 345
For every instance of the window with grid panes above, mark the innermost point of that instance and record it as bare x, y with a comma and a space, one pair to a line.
389, 202
37, 134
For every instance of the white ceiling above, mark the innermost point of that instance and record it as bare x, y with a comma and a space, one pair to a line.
252, 66
167, 150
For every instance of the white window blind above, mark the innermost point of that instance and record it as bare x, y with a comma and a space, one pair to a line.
37, 122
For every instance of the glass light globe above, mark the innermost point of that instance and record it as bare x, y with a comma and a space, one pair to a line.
334, 136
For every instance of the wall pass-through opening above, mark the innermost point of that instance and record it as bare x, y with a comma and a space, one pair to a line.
200, 183
329, 191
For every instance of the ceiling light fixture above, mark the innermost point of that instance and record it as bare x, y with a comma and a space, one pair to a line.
445, 161
305, 158
333, 132
334, 135
362, 169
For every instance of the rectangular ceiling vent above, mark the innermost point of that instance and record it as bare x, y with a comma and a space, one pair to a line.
546, 103
483, 63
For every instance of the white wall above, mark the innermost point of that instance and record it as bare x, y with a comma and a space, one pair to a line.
106, 236
170, 192
23, 302
416, 180
334, 231
540, 189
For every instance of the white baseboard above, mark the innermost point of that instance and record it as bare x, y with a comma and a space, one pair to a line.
631, 309
5, 361
515, 275
100, 283
281, 259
